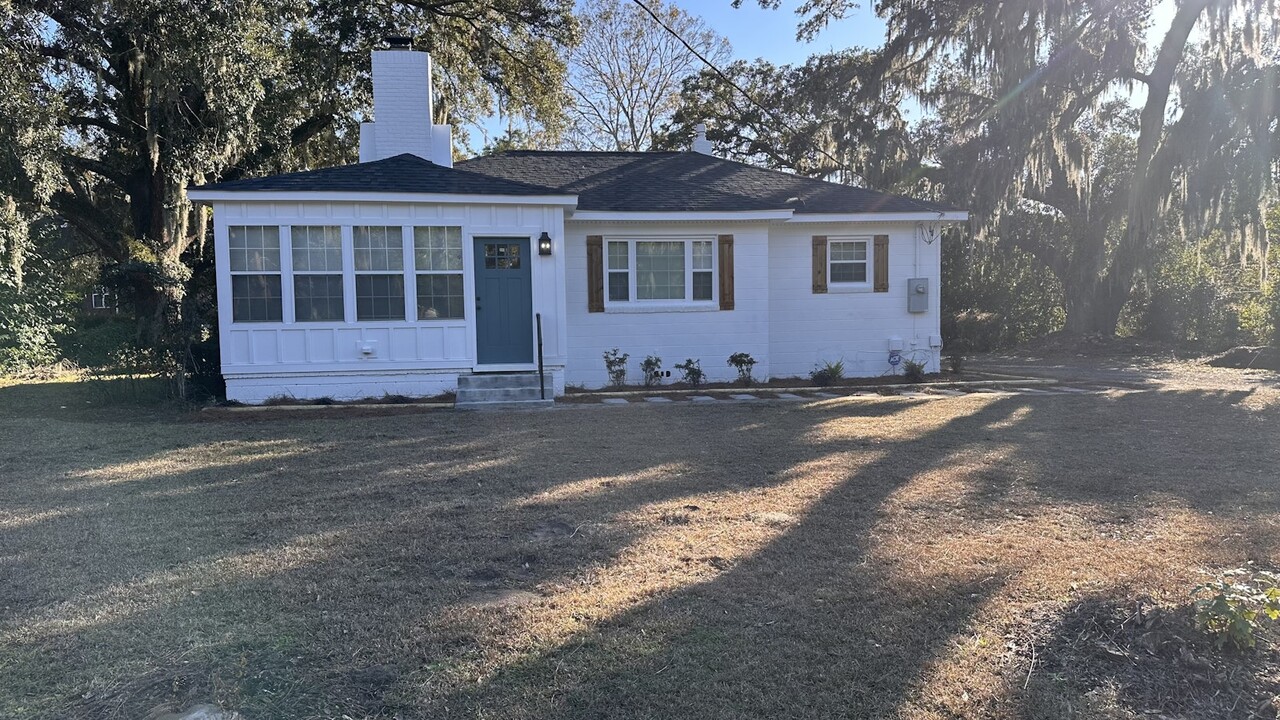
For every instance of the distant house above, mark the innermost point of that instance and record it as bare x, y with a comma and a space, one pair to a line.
404, 273
102, 301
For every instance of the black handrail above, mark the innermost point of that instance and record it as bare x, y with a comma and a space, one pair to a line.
542, 378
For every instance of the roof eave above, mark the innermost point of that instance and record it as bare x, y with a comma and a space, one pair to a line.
945, 216
679, 215
211, 196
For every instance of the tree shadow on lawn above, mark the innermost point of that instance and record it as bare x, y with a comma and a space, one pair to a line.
346, 583
816, 624
106, 556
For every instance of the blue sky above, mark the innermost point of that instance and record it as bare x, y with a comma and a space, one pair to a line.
754, 32
771, 34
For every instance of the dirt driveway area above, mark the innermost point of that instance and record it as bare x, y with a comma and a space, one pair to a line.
973, 556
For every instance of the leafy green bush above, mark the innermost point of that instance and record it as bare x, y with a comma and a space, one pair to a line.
913, 371
652, 368
99, 341
1231, 611
691, 372
828, 373
1202, 297
615, 363
996, 297
744, 363
33, 316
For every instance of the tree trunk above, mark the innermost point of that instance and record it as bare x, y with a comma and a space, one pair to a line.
1093, 307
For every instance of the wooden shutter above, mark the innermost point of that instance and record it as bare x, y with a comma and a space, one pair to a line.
595, 273
882, 263
726, 271
819, 263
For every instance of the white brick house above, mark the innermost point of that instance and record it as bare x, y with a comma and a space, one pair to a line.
403, 273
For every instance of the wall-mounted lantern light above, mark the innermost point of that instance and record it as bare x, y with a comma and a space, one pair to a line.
544, 244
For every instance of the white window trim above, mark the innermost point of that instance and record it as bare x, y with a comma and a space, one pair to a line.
409, 271
412, 250
291, 309
405, 272
285, 302
634, 303
865, 286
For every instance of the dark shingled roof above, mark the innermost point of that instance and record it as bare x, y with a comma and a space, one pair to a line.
683, 181
400, 174
611, 181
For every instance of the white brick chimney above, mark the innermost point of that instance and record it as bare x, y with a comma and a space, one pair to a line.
402, 106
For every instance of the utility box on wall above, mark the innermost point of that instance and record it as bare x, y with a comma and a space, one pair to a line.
918, 295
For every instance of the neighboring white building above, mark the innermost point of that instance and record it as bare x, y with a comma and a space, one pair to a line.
403, 272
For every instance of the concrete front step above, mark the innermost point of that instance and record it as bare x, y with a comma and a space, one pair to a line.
518, 405
498, 380
496, 395
500, 392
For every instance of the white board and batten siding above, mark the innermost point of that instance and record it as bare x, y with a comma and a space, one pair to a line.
310, 360
850, 325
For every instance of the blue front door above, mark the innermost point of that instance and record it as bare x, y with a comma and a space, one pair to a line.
504, 301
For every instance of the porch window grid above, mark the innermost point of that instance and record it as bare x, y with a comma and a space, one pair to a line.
379, 272
437, 256
255, 269
318, 293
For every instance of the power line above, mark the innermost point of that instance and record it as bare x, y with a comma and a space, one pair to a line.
725, 77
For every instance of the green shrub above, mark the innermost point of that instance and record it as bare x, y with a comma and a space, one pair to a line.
100, 341
1202, 297
828, 373
615, 363
33, 317
744, 363
955, 361
1230, 611
691, 372
913, 370
652, 369
995, 297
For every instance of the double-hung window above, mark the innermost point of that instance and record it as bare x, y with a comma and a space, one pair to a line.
317, 273
660, 270
255, 273
437, 259
849, 262
379, 271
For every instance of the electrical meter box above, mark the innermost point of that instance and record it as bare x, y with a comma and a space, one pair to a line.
918, 295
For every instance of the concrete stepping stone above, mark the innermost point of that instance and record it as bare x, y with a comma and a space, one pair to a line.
826, 395
948, 393
789, 396
744, 396
615, 401
701, 398
911, 394
658, 399
1034, 391
1064, 388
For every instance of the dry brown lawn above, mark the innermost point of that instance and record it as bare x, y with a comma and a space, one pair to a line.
976, 556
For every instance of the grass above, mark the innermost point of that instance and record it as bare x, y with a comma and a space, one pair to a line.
976, 556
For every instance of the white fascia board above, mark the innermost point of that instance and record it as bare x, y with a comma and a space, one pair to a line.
198, 195
676, 216
949, 216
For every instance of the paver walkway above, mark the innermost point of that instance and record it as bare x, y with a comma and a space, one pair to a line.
920, 393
